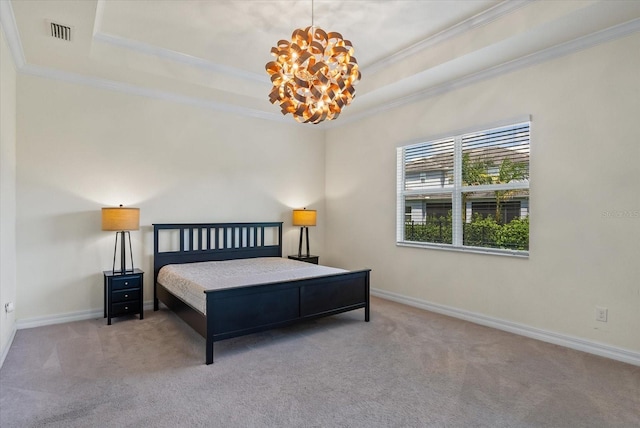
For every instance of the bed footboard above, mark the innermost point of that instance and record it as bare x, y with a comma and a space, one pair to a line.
236, 312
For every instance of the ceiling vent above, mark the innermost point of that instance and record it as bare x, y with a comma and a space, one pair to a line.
61, 32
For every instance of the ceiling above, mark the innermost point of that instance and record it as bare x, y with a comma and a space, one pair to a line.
212, 53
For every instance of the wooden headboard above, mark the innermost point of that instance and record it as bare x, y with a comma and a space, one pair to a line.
200, 242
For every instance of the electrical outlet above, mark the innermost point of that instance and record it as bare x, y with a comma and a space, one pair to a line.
601, 314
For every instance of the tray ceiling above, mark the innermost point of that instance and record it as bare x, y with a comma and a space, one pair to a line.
212, 53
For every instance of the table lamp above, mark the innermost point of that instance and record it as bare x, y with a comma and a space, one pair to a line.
121, 220
304, 218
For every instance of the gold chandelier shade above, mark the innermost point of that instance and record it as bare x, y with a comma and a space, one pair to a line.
313, 75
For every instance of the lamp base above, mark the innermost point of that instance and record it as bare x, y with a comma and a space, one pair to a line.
123, 254
306, 229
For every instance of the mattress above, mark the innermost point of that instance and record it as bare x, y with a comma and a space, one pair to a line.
189, 281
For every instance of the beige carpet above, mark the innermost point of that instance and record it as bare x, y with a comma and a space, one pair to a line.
406, 368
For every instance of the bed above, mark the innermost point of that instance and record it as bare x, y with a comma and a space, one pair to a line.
242, 306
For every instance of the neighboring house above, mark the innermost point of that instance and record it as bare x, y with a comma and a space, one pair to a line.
436, 172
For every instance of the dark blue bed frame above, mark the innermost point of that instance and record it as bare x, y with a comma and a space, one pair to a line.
245, 310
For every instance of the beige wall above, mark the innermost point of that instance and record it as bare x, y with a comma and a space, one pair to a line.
82, 148
585, 163
7, 193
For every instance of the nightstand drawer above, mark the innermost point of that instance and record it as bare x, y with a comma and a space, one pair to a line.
124, 308
125, 295
125, 282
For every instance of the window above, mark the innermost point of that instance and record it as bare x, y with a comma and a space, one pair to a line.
468, 191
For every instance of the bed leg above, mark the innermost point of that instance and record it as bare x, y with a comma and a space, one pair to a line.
209, 359
367, 302
156, 304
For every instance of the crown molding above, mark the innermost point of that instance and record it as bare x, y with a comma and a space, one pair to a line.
7, 20
544, 55
10, 28
130, 89
178, 57
167, 54
475, 21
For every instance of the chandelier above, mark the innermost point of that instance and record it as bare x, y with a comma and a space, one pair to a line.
313, 74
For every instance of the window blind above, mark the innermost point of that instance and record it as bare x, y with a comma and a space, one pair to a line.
466, 191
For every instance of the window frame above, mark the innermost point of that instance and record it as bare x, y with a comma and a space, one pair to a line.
456, 191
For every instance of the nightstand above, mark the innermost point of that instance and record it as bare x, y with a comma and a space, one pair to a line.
308, 259
123, 294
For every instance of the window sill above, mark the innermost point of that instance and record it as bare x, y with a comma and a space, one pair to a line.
476, 250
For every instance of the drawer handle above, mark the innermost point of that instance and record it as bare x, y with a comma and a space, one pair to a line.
126, 295
126, 283
126, 307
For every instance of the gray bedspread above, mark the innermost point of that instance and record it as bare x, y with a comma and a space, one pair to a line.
190, 280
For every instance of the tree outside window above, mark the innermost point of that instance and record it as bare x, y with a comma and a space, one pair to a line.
467, 191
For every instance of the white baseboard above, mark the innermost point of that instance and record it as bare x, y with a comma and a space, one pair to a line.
8, 346
68, 317
607, 351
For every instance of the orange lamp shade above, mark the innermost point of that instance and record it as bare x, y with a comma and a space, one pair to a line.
120, 219
304, 218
